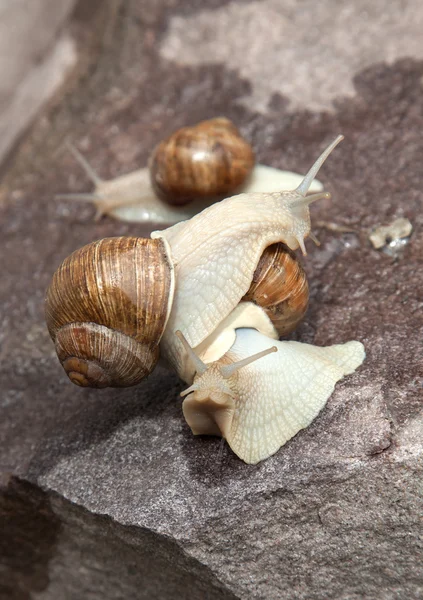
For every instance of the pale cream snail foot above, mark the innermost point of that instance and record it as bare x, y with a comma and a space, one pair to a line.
261, 393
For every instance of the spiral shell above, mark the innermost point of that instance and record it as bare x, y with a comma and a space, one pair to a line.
207, 160
106, 310
280, 288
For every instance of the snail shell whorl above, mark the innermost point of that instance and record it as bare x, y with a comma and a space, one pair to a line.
280, 287
209, 159
106, 310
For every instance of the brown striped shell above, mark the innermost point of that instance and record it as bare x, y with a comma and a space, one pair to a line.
207, 160
280, 287
106, 310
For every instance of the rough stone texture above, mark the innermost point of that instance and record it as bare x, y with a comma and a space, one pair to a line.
318, 45
45, 537
116, 498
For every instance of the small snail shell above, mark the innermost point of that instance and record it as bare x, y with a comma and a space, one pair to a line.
280, 287
106, 309
187, 172
205, 161
274, 304
257, 402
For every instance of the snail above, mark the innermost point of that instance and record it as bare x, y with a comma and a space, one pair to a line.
217, 282
107, 321
259, 402
187, 172
215, 255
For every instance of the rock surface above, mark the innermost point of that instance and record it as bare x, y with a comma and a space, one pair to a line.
35, 58
107, 493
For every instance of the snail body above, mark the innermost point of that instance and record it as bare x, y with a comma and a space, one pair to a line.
187, 172
207, 289
257, 403
222, 269
115, 343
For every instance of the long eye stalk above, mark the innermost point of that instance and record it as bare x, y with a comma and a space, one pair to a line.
89, 171
200, 367
228, 370
306, 182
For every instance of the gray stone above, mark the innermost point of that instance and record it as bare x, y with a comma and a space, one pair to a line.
64, 551
36, 55
108, 491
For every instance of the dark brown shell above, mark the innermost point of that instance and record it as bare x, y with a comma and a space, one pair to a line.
106, 310
207, 160
280, 287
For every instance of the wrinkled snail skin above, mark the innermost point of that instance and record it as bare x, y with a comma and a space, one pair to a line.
261, 405
214, 267
275, 302
188, 171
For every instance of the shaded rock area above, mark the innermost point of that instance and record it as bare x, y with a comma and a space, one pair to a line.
45, 537
107, 493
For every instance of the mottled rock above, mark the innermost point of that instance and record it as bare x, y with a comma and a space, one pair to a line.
116, 498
